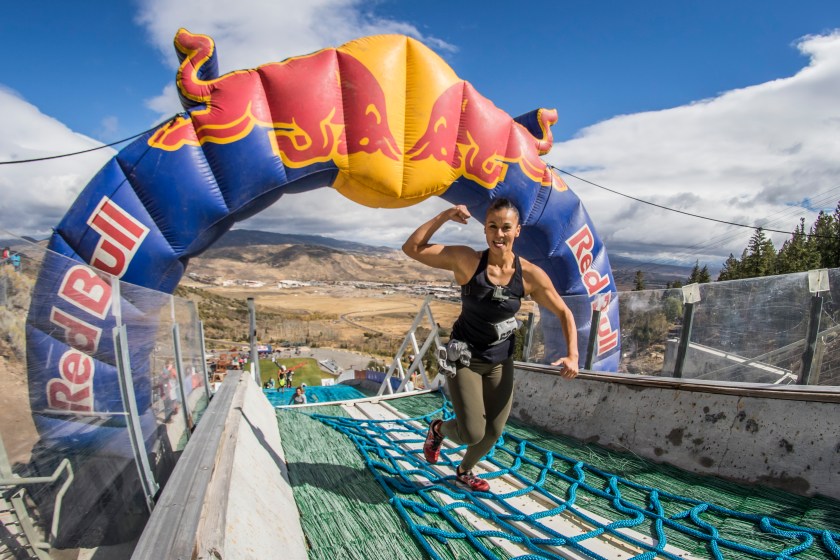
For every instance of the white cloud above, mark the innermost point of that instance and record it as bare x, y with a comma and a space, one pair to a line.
36, 195
743, 156
248, 33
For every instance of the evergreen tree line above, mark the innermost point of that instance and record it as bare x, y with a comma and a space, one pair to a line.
818, 248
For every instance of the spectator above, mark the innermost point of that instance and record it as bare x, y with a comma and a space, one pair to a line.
298, 397
310, 396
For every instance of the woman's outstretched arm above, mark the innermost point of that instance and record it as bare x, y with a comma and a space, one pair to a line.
459, 259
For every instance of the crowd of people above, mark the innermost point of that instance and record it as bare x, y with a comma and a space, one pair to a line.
285, 377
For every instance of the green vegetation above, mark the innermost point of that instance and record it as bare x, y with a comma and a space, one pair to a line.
819, 248
14, 291
309, 373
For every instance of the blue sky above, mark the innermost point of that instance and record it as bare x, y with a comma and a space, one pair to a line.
713, 107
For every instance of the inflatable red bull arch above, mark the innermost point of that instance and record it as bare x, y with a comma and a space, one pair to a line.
383, 120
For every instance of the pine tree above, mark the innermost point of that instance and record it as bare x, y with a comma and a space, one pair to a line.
760, 256
695, 272
731, 269
699, 275
639, 281
825, 239
797, 254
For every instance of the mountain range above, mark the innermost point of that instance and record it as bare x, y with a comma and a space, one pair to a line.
267, 256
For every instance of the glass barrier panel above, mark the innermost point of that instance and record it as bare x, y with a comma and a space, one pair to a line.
192, 357
62, 410
170, 412
750, 330
62, 407
753, 331
827, 353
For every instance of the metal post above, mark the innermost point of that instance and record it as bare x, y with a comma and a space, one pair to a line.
817, 283
204, 360
252, 325
529, 338
179, 372
806, 372
685, 337
116, 300
132, 417
691, 295
599, 305
592, 343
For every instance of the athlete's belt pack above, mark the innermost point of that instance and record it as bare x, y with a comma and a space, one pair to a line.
450, 355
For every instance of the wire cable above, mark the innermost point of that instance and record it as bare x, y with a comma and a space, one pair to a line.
681, 211
46, 158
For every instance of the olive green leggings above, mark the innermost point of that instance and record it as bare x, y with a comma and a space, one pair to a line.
481, 396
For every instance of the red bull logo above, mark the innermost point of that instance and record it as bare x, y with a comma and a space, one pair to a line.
304, 105
90, 297
581, 244
393, 145
481, 141
120, 237
88, 293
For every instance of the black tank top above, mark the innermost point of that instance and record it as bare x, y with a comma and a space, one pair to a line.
487, 321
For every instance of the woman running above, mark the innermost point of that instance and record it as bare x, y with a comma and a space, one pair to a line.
493, 282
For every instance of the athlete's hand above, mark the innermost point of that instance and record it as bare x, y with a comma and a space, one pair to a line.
458, 214
568, 367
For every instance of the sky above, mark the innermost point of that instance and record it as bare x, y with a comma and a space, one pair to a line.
723, 109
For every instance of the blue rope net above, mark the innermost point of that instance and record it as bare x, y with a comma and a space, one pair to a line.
432, 504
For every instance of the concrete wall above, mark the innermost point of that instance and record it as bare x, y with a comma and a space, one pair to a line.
229, 488
784, 438
261, 518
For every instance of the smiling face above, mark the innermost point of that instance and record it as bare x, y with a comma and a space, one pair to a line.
501, 228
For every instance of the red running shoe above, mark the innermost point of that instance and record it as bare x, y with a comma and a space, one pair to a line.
431, 449
471, 481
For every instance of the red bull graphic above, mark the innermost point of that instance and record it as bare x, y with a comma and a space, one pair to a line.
383, 120
581, 243
301, 133
480, 141
120, 237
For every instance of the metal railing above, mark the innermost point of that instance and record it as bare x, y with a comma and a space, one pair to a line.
776, 330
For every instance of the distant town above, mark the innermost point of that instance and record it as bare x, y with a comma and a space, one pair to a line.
442, 291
